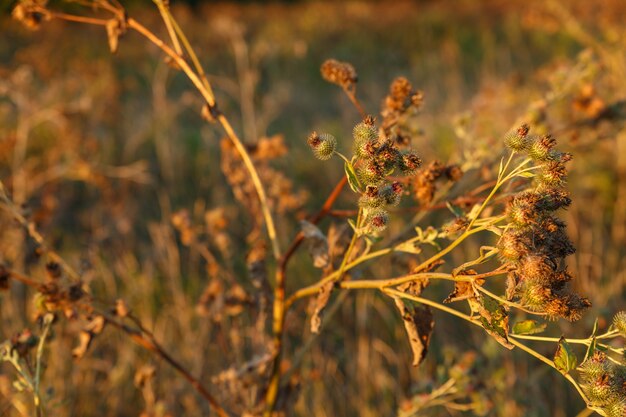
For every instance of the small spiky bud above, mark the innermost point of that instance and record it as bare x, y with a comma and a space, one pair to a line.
533, 295
553, 174
601, 391
541, 150
378, 220
616, 408
371, 198
594, 367
323, 145
392, 193
536, 268
364, 132
409, 163
371, 173
389, 156
522, 209
619, 321
518, 140
514, 245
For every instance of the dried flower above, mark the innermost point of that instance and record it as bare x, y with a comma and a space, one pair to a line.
340, 73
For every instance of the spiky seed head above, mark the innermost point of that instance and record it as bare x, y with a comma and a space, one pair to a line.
601, 391
514, 245
594, 367
409, 163
371, 173
533, 295
619, 321
392, 193
541, 149
364, 132
553, 174
371, 198
323, 145
518, 140
377, 220
616, 408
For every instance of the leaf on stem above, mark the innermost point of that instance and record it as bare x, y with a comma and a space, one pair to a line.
528, 327
564, 358
495, 319
419, 325
353, 181
462, 291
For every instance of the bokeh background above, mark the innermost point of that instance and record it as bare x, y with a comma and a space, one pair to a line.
109, 155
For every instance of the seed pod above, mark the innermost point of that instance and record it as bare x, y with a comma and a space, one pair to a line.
323, 145
553, 174
371, 173
518, 140
391, 193
371, 198
619, 321
541, 150
364, 132
377, 220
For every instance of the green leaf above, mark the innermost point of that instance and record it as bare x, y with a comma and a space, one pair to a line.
353, 181
564, 358
526, 175
494, 319
528, 327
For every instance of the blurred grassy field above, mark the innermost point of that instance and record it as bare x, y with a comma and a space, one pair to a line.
102, 150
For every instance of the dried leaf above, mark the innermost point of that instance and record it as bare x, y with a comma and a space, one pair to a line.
415, 287
317, 244
463, 290
564, 358
418, 324
320, 302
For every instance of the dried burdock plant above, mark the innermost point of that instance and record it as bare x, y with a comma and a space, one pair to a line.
521, 272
